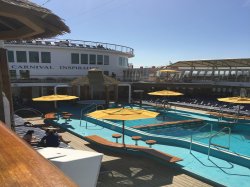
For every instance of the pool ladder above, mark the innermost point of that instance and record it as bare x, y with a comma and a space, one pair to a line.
217, 145
90, 109
191, 138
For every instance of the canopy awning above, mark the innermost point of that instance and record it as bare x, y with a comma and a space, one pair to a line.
243, 62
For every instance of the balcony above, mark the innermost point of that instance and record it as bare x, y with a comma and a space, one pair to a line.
75, 44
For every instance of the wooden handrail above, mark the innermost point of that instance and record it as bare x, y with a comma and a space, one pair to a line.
21, 165
168, 123
155, 153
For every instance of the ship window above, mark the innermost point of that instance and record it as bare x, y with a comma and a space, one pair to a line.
21, 56
106, 60
75, 58
10, 56
46, 57
100, 59
24, 74
123, 61
126, 62
92, 59
13, 74
120, 61
201, 73
34, 56
84, 59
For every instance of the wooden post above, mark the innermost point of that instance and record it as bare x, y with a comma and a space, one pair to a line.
116, 93
2, 117
107, 96
6, 86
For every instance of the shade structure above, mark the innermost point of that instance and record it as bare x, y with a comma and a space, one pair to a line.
55, 98
86, 80
235, 100
165, 93
122, 114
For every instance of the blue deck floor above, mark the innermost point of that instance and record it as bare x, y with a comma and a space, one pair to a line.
217, 170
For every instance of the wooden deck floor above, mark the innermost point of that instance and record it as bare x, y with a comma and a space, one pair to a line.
148, 126
127, 170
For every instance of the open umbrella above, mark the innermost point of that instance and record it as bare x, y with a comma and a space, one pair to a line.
235, 100
122, 114
168, 71
55, 98
165, 93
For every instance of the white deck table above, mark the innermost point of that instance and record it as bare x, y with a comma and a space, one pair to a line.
81, 166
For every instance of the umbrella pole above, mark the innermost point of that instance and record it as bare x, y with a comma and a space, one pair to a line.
55, 104
123, 133
238, 114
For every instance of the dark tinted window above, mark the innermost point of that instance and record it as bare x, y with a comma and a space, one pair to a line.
34, 56
46, 57
21, 56
84, 59
75, 58
10, 56
92, 59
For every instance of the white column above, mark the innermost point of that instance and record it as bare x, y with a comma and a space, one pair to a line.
129, 93
1, 44
78, 91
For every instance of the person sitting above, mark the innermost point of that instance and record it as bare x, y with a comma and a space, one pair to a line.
29, 138
63, 140
51, 139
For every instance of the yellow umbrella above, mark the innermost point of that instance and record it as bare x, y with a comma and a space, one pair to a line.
168, 71
122, 114
235, 100
165, 93
55, 98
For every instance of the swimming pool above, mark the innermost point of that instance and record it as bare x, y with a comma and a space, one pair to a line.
200, 132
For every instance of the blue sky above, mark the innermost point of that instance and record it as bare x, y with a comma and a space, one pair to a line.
161, 31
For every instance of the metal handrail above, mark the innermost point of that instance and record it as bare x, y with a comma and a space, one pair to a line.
84, 108
30, 109
93, 106
96, 108
76, 43
211, 137
191, 137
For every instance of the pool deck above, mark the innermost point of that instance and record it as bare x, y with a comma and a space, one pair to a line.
128, 170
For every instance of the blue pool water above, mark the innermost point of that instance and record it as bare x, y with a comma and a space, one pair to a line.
238, 142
